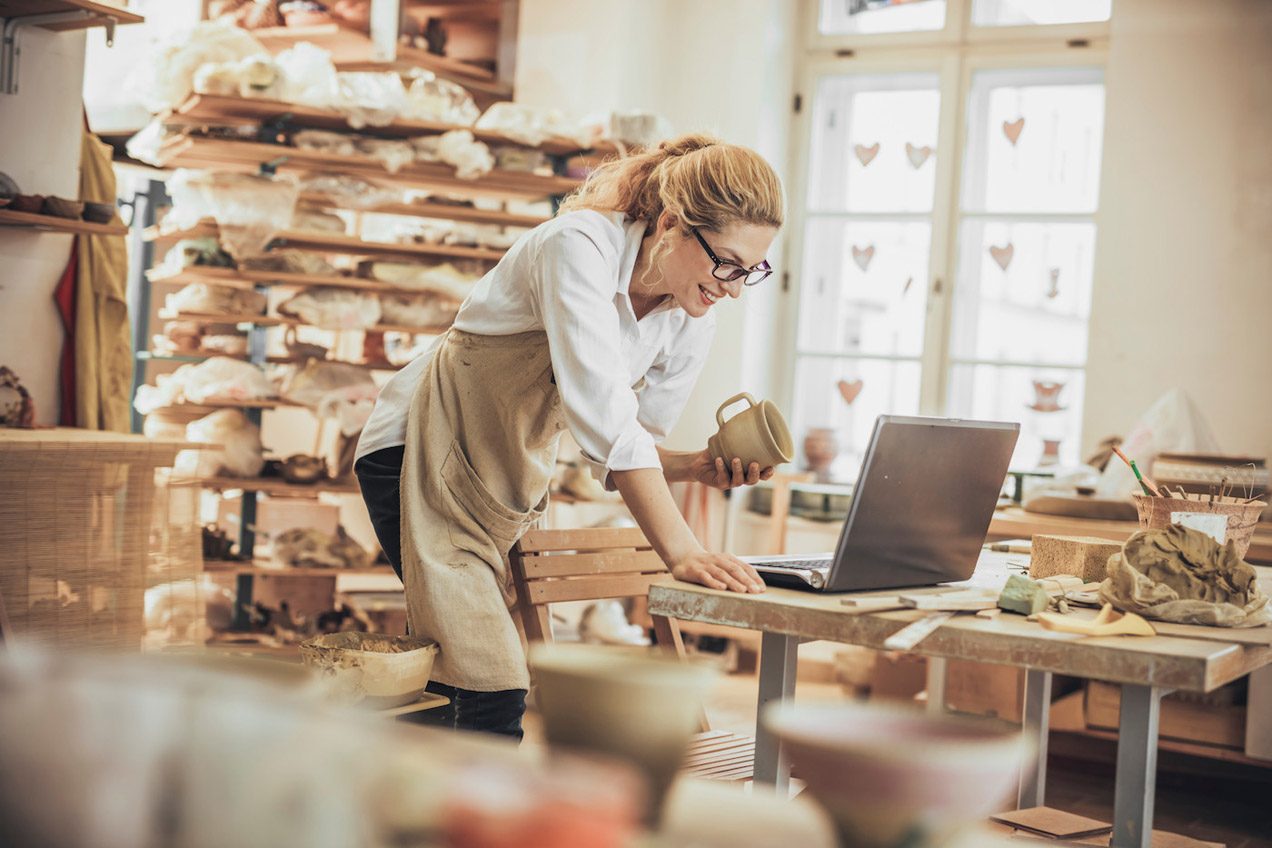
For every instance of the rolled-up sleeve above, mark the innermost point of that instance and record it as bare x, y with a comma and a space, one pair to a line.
574, 285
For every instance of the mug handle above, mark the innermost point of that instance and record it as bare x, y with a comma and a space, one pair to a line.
741, 396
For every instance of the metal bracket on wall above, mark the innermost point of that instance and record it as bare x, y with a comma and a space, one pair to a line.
11, 46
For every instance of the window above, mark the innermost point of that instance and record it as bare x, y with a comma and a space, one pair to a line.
946, 222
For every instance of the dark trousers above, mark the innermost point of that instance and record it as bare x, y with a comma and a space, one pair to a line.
379, 475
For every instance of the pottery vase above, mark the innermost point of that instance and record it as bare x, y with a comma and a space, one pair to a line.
1050, 452
820, 449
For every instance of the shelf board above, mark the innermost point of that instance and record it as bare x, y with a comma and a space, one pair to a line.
439, 211
224, 110
52, 223
238, 279
278, 486
100, 8
284, 321
214, 566
271, 360
331, 243
247, 157
232, 403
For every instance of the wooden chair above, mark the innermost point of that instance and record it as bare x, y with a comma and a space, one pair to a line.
554, 566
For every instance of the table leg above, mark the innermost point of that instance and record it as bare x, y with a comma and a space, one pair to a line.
1037, 718
778, 660
1136, 780
936, 668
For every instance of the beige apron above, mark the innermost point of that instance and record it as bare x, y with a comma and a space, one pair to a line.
481, 444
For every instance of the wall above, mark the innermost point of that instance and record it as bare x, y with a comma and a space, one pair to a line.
40, 131
1183, 264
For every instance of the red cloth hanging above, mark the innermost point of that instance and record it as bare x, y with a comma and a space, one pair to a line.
64, 299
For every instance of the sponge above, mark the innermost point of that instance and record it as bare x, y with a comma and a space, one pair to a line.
1022, 595
1082, 556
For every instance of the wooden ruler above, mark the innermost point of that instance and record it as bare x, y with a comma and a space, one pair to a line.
912, 634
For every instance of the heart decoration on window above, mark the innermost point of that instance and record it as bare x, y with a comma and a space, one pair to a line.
866, 154
1002, 255
862, 257
1054, 289
850, 390
917, 155
1012, 129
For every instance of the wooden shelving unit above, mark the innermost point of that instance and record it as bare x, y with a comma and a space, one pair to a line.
213, 154
53, 224
98, 11
279, 486
239, 279
337, 243
381, 365
223, 110
285, 321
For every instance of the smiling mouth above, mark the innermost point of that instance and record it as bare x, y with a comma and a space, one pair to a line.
707, 296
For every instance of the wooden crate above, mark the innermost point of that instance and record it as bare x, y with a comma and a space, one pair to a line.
1206, 723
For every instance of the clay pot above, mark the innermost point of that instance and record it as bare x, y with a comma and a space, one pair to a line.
820, 449
60, 207
99, 213
757, 434
303, 469
30, 203
890, 775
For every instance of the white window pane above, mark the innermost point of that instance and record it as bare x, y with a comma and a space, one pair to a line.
1046, 401
1023, 292
1033, 12
874, 143
864, 286
1034, 141
886, 387
843, 17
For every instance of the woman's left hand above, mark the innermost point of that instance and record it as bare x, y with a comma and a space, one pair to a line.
712, 471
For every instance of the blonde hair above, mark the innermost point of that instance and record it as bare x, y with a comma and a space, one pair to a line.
703, 181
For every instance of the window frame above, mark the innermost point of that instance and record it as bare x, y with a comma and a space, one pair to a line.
955, 59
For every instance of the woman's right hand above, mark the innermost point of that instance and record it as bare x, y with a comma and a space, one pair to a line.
718, 571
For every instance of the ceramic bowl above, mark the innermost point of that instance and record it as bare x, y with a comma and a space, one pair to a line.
628, 706
63, 208
372, 669
31, 203
99, 213
891, 776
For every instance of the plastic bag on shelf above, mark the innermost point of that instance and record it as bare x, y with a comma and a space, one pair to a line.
1173, 424
309, 77
249, 209
333, 390
290, 260
208, 297
393, 155
309, 548
322, 141
431, 98
219, 377
413, 310
146, 144
242, 454
511, 157
350, 191
334, 308
444, 279
167, 79
470, 158
531, 125
367, 98
255, 76
186, 253
318, 219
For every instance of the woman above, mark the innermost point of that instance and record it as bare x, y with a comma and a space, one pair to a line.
599, 320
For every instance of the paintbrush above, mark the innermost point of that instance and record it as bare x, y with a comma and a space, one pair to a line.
1147, 485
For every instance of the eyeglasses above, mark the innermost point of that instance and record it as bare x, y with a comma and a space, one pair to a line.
730, 271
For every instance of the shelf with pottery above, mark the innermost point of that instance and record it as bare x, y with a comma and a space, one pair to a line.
213, 154
284, 321
379, 365
280, 487
80, 14
245, 279
54, 224
437, 211
334, 243
223, 110
271, 569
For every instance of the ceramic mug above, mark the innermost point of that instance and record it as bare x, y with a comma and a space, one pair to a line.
757, 434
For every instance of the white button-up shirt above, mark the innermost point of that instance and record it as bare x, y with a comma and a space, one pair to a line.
569, 277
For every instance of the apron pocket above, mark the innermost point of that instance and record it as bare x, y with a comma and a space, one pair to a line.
503, 524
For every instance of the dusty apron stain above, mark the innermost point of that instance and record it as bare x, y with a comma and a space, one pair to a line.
481, 444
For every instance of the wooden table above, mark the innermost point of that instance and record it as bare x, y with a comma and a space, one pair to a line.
1015, 523
1146, 667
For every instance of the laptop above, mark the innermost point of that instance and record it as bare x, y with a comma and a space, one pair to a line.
919, 513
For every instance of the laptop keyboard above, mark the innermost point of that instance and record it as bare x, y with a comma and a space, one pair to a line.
801, 564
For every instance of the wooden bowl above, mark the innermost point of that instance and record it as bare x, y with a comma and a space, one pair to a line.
99, 213
62, 208
29, 203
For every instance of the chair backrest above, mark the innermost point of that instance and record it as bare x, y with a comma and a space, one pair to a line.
552, 566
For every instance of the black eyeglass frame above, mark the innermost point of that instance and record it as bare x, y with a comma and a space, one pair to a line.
763, 268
